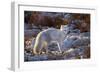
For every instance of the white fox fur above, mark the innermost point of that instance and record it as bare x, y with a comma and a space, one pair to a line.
44, 38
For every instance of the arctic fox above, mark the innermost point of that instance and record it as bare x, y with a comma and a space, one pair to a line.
45, 37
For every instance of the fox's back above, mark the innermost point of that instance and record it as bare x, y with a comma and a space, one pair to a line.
52, 34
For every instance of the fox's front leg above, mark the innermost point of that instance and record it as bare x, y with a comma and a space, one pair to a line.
59, 47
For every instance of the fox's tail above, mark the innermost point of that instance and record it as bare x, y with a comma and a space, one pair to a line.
38, 44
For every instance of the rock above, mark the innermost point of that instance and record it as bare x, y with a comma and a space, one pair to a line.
85, 34
31, 32
77, 31
28, 57
43, 57
67, 44
83, 41
33, 58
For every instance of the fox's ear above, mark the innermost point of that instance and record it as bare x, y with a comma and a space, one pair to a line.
61, 27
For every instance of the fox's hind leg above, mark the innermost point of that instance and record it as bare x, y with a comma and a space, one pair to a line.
46, 47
